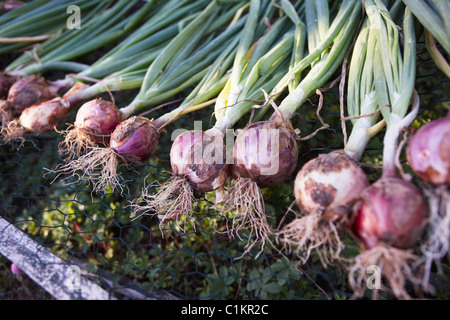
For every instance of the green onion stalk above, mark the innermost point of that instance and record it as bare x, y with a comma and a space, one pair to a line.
389, 216
265, 153
27, 88
183, 63
199, 160
434, 16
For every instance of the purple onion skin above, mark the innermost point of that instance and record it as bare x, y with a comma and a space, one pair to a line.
391, 211
45, 116
6, 81
332, 182
135, 139
255, 159
187, 159
428, 152
28, 91
180, 150
99, 117
9, 5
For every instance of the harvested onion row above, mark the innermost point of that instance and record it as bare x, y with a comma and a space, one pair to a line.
124, 66
200, 157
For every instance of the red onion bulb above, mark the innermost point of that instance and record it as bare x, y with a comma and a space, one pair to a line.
99, 117
265, 152
391, 211
428, 152
200, 157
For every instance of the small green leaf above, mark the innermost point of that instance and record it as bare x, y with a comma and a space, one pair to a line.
272, 287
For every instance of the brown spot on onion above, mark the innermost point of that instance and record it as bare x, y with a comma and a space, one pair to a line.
44, 116
332, 182
322, 194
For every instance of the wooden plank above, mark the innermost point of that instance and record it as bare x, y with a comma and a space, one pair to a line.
64, 281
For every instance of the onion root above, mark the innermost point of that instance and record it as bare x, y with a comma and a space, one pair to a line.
172, 201
385, 264
312, 232
246, 201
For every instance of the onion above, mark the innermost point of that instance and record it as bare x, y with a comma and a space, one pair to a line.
325, 189
30, 90
6, 81
45, 116
265, 154
94, 123
198, 162
254, 158
98, 117
428, 152
391, 211
39, 118
388, 221
134, 140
